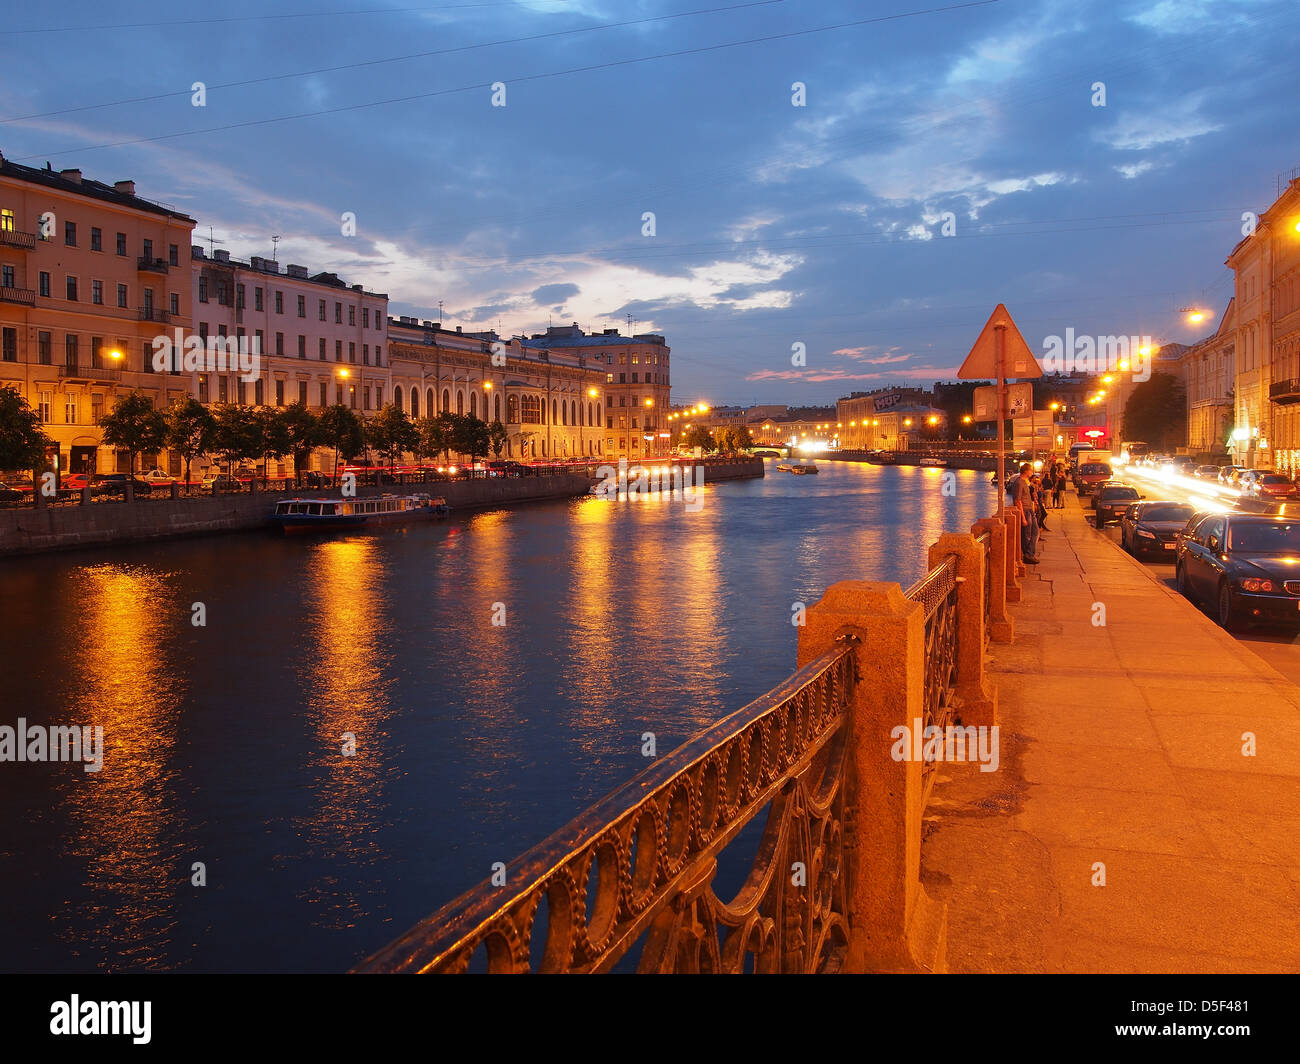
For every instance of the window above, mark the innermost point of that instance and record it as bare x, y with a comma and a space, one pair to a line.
379, 396
223, 390
365, 317
96, 238
531, 409
9, 347
7, 220
365, 354
239, 297
279, 301
322, 349
338, 313
173, 254
44, 401
7, 277
302, 346
279, 343
72, 289
96, 351
175, 303
121, 244
302, 306
258, 394
203, 389
634, 380
221, 294
70, 350
622, 378
338, 350
70, 410
203, 289
379, 355
96, 406
352, 315
121, 295
302, 392
609, 399
45, 284
609, 378
70, 234
324, 391
352, 351
148, 250
257, 298
96, 292
365, 405
146, 350
320, 309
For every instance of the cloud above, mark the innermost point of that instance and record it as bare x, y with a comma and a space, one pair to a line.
866, 354
554, 293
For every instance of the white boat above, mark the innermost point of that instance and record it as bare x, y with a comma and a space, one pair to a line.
803, 468
784, 467
322, 515
941, 462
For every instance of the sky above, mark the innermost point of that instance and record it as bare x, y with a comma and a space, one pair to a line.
940, 158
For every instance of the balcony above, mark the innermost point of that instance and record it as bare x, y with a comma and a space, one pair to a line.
1285, 392
154, 314
153, 265
88, 374
25, 296
12, 238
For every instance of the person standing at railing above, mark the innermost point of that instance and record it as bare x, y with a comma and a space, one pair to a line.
1025, 506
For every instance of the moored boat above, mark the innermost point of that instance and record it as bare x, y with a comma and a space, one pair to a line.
940, 462
323, 515
803, 468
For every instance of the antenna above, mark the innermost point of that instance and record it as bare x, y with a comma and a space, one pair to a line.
275, 247
440, 312
212, 244
630, 319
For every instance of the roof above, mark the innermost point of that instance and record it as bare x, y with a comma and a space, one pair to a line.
591, 341
85, 187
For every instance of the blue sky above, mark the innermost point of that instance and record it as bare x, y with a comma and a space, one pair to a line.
775, 224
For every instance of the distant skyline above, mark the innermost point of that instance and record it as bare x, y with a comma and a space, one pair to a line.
820, 225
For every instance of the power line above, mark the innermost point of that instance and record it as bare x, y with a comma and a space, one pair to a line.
701, 49
389, 59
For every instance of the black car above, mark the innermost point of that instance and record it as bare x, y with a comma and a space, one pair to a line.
1153, 527
115, 484
1247, 566
1111, 501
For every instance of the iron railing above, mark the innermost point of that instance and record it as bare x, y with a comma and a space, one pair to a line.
643, 860
937, 593
985, 540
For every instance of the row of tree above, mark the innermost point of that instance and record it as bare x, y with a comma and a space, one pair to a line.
725, 438
235, 434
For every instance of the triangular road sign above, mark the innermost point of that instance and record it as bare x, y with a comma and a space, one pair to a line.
1018, 361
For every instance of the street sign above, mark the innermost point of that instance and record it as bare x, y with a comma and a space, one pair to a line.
1020, 398
1017, 360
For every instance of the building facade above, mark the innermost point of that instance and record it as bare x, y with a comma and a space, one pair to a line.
551, 402
1266, 389
636, 387
1207, 376
90, 274
888, 420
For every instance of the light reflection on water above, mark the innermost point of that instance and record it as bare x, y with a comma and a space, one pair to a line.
474, 740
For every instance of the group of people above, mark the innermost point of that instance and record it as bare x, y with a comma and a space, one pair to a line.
1029, 494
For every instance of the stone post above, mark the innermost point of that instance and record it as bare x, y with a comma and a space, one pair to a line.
977, 698
1001, 626
85, 496
895, 925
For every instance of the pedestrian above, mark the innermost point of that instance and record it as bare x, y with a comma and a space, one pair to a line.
1040, 502
1024, 505
1058, 486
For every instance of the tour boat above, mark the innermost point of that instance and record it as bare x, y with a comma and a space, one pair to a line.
933, 462
784, 467
320, 515
803, 468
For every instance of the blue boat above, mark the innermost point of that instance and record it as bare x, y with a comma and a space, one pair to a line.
325, 515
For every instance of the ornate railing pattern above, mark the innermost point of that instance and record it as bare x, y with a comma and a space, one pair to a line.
643, 860
985, 540
937, 592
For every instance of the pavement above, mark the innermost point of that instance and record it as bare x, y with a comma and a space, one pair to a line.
1126, 828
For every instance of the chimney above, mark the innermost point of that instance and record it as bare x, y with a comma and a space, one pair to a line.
458, 328
255, 261
72, 175
356, 288
297, 271
127, 188
196, 251
221, 255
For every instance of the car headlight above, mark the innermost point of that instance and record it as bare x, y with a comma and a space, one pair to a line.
1146, 535
1253, 584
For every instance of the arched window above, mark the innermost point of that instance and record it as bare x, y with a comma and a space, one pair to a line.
496, 407
428, 401
460, 401
589, 414
564, 413
552, 411
415, 402
512, 410
473, 404
446, 402
397, 397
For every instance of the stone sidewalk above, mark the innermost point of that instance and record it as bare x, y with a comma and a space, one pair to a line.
1122, 745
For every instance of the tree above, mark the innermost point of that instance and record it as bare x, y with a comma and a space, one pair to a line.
432, 437
236, 434
272, 436
342, 430
1156, 412
497, 436
190, 427
22, 443
304, 434
470, 436
391, 433
741, 438
134, 426
699, 436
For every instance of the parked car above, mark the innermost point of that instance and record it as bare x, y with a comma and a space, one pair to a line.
14, 489
159, 478
1153, 527
1244, 566
75, 482
314, 478
111, 484
1089, 477
1265, 485
220, 482
502, 468
1110, 502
